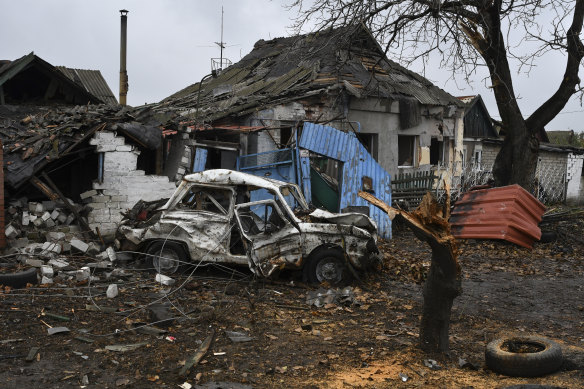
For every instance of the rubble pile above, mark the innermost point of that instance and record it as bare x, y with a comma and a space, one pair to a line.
45, 235
43, 221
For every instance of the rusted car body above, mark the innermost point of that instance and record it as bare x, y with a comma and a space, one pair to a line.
210, 218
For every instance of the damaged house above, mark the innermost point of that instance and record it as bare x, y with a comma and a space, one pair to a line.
103, 158
341, 77
99, 155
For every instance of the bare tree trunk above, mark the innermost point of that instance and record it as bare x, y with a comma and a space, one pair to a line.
429, 222
516, 162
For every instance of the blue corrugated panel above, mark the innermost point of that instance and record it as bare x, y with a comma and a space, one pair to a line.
357, 162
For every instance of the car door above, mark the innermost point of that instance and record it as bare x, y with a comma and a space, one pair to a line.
202, 219
272, 242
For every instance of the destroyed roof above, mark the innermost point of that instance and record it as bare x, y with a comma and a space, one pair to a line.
286, 69
30, 79
33, 137
92, 81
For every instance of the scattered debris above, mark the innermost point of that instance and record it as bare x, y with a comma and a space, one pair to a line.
57, 330
464, 364
432, 364
164, 280
112, 291
198, 355
160, 314
238, 337
32, 354
122, 348
321, 297
404, 377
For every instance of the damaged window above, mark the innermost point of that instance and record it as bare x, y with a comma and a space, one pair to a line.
206, 199
406, 150
260, 218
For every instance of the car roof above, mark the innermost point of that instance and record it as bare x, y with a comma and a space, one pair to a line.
232, 177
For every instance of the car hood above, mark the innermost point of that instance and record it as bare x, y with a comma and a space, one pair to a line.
352, 219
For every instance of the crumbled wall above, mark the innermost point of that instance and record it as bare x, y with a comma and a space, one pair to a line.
122, 184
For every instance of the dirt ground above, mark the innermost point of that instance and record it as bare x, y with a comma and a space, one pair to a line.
369, 341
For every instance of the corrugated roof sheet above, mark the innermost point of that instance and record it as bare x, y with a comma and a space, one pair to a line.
357, 163
510, 213
92, 81
286, 69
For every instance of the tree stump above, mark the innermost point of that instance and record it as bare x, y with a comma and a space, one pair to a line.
429, 223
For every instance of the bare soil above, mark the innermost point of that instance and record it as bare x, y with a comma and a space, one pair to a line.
370, 343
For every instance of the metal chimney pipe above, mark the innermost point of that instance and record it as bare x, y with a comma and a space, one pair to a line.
123, 72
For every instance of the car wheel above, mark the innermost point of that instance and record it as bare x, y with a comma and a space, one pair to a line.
166, 257
327, 265
525, 356
19, 279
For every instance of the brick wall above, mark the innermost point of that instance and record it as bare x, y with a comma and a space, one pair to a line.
123, 185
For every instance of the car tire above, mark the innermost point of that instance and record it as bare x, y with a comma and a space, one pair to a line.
540, 356
19, 279
327, 265
166, 257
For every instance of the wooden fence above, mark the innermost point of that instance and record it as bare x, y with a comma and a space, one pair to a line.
410, 188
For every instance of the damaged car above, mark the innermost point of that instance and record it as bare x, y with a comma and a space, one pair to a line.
229, 217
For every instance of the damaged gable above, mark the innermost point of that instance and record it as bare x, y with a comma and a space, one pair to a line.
31, 80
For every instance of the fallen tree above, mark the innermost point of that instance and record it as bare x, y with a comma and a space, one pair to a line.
429, 223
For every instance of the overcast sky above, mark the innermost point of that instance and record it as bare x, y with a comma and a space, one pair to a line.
171, 43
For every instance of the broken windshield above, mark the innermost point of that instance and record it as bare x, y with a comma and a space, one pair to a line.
293, 197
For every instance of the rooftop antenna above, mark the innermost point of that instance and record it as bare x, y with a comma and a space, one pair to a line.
217, 63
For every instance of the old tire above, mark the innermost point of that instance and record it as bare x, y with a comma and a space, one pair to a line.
327, 265
166, 257
524, 356
19, 279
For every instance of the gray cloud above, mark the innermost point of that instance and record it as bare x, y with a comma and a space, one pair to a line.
167, 45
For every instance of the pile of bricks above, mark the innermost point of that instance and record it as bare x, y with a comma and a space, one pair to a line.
31, 221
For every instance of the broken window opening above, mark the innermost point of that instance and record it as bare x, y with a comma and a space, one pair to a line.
286, 139
261, 218
477, 156
325, 178
406, 150
147, 161
206, 200
370, 142
436, 152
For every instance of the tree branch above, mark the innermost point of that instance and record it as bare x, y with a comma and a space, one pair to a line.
554, 105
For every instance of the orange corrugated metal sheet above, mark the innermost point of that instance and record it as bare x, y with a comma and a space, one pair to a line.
509, 212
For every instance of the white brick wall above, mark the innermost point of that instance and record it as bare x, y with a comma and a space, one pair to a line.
123, 185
